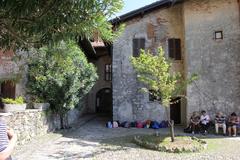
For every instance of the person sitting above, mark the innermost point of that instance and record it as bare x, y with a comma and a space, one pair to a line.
233, 121
204, 121
194, 122
220, 122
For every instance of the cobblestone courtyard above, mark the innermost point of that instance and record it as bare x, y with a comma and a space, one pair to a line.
92, 141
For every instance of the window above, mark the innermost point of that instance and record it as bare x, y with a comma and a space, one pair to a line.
8, 89
138, 44
153, 97
174, 48
108, 72
218, 35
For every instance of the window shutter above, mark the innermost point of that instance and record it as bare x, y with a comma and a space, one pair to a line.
171, 49
137, 45
178, 49
174, 48
8, 89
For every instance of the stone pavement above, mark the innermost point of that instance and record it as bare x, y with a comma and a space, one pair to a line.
91, 140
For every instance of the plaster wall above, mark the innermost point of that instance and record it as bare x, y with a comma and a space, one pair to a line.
156, 27
217, 62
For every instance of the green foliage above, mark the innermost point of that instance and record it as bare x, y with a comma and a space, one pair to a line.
183, 144
154, 72
18, 100
60, 76
33, 23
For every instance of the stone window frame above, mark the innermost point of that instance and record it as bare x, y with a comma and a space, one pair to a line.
217, 34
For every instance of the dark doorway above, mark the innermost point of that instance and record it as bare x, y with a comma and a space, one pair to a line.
104, 101
175, 111
8, 89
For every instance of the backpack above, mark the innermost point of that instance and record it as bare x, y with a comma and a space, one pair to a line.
163, 124
115, 124
139, 125
187, 130
155, 125
133, 124
109, 124
125, 124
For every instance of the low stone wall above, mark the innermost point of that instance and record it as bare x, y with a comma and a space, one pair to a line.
33, 122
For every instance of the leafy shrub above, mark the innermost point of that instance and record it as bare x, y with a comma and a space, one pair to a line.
60, 75
18, 100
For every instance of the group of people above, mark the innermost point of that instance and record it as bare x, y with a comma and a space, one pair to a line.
201, 123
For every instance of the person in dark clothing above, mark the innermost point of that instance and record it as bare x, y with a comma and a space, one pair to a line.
233, 121
195, 122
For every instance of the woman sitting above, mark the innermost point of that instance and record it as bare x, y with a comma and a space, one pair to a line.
233, 121
195, 122
204, 121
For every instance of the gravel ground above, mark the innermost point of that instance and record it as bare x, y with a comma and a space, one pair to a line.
93, 141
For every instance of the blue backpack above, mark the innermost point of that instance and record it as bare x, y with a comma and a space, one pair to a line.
109, 124
155, 125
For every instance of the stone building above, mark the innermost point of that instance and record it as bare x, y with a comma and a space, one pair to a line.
12, 75
200, 36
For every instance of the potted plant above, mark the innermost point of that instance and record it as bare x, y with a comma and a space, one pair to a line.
13, 105
38, 103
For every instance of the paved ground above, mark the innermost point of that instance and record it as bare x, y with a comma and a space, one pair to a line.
93, 141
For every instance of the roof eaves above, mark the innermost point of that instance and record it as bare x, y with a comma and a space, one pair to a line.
143, 10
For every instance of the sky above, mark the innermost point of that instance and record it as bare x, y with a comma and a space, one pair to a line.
130, 5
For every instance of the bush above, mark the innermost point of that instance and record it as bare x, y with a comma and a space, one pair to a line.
18, 100
61, 76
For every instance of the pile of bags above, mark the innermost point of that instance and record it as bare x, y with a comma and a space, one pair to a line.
137, 124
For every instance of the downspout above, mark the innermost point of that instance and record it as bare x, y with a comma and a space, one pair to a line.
239, 10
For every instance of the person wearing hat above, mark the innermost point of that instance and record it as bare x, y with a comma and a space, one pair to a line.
8, 138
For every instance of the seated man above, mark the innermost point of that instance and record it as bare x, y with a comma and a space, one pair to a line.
220, 122
233, 121
195, 122
204, 121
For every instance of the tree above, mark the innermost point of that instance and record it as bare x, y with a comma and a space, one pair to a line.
154, 72
61, 76
26, 24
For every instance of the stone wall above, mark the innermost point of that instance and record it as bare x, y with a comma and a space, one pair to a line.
33, 122
216, 61
156, 27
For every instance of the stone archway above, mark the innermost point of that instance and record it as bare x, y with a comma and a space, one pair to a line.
104, 101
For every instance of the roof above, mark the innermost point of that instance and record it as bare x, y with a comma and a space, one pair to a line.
143, 10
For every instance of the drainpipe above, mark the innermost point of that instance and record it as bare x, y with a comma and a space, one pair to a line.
239, 10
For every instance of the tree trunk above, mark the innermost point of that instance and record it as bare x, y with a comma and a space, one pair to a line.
171, 123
